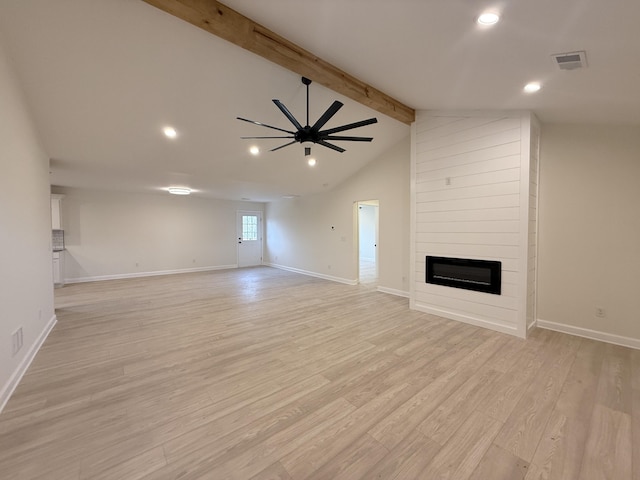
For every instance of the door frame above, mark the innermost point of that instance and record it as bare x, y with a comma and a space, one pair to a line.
356, 211
239, 214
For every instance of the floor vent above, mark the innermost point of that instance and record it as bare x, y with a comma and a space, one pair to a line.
570, 60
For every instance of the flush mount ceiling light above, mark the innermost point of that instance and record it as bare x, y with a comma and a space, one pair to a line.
254, 150
532, 87
179, 190
488, 18
312, 162
170, 132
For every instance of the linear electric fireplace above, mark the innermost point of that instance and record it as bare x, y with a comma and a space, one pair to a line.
479, 275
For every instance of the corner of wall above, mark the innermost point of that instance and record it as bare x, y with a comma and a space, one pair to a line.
9, 387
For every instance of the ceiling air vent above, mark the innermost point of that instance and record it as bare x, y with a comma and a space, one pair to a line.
570, 61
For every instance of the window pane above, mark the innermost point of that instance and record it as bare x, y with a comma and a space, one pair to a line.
249, 227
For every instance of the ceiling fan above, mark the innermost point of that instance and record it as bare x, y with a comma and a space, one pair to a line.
313, 133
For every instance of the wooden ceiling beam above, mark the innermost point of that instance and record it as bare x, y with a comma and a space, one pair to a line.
224, 22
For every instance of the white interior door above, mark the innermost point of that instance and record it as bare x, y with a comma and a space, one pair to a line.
249, 239
368, 241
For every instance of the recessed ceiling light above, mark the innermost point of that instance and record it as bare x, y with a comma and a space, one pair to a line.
254, 150
532, 87
179, 190
488, 18
311, 162
170, 132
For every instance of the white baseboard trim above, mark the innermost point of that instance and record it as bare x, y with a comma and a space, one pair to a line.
314, 274
478, 322
590, 334
531, 326
9, 387
121, 276
393, 291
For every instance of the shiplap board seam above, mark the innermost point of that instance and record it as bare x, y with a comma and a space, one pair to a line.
470, 133
474, 145
471, 129
507, 150
438, 180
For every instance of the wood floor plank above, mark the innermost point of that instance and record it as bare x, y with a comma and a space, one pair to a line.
524, 428
561, 449
464, 451
408, 416
237, 416
241, 373
407, 460
253, 460
352, 462
273, 472
614, 389
608, 449
311, 456
443, 422
498, 464
132, 469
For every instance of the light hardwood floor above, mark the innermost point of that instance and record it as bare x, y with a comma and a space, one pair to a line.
265, 374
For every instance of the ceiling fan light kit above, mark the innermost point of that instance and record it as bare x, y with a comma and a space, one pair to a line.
313, 133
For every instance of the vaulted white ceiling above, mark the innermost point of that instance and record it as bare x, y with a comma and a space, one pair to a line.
103, 77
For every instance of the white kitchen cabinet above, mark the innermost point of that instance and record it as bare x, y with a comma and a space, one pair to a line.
57, 237
56, 211
58, 269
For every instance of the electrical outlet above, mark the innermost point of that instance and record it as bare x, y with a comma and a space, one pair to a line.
600, 312
16, 341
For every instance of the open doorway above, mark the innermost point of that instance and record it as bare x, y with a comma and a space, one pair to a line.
368, 241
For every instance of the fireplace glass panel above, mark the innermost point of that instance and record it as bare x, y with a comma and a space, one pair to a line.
469, 274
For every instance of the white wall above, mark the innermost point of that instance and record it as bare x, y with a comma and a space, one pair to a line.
117, 234
300, 237
26, 276
589, 231
472, 200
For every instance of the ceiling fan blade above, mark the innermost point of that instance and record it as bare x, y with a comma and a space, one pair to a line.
264, 125
361, 123
332, 147
282, 146
350, 139
326, 116
257, 138
287, 114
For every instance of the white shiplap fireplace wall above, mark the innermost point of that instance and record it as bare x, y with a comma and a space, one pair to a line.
474, 195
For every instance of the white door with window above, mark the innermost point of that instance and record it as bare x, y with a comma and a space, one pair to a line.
249, 239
